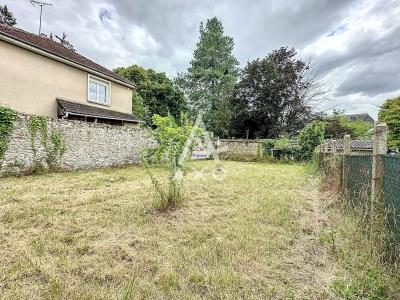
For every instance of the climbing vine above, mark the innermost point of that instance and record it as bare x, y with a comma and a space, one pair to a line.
7, 118
53, 144
37, 125
56, 150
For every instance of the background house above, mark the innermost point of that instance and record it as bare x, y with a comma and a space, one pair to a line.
364, 117
40, 76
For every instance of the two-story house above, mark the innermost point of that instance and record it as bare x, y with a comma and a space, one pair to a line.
40, 76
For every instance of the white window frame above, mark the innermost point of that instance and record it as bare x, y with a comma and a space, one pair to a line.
102, 82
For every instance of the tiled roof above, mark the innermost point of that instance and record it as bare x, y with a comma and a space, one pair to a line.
52, 47
93, 111
354, 144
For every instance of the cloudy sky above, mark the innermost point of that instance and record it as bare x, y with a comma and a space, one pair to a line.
354, 44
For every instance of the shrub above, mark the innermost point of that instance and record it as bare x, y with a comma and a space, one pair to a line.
287, 149
390, 113
7, 118
268, 145
171, 141
337, 125
311, 136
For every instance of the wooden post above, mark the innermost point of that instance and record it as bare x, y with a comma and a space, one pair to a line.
380, 147
346, 151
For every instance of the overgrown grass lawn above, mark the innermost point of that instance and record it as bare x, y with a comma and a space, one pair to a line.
95, 235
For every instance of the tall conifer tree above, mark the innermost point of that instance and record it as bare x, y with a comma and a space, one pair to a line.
211, 77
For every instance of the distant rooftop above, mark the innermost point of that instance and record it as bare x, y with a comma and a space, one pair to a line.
355, 117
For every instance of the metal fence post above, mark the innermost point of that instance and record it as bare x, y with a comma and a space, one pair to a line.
380, 147
346, 151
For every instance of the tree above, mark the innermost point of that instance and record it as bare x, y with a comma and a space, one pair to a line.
154, 93
139, 109
275, 95
6, 16
310, 136
337, 125
210, 79
360, 129
389, 113
171, 140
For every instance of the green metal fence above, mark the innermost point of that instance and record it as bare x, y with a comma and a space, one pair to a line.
358, 178
391, 190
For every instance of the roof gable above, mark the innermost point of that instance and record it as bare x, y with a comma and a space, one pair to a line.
52, 47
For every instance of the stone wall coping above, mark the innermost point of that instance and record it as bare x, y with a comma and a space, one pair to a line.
240, 140
82, 123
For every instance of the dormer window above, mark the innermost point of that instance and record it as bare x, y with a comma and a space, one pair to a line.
99, 90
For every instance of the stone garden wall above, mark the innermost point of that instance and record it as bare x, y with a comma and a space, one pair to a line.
240, 147
89, 145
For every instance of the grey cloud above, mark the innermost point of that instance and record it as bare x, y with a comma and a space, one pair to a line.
267, 25
379, 75
162, 34
369, 65
360, 50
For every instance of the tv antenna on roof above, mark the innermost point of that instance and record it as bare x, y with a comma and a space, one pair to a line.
41, 4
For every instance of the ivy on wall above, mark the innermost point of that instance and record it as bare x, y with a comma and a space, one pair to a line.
7, 118
56, 149
37, 125
53, 144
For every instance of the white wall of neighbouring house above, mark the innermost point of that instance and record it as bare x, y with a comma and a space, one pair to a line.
30, 83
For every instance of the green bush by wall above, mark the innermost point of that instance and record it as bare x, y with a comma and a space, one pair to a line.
7, 118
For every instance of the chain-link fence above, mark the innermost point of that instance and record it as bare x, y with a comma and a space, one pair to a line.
357, 178
391, 192
376, 200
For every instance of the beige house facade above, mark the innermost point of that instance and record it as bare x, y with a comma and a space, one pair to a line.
39, 76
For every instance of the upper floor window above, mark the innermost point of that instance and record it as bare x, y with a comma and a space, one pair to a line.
99, 90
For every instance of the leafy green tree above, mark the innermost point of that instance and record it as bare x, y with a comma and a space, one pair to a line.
361, 130
337, 125
310, 136
154, 93
139, 108
210, 79
389, 113
275, 95
6, 16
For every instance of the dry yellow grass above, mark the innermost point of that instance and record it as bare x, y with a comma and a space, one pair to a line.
94, 235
